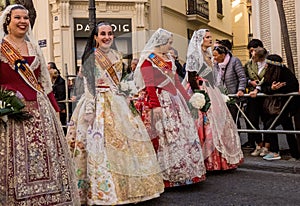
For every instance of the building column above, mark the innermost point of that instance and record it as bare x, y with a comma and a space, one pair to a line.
256, 19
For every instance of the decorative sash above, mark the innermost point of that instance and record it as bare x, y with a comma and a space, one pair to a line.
161, 64
20, 65
106, 64
158, 61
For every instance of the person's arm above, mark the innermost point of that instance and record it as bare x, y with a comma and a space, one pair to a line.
239, 70
148, 76
291, 82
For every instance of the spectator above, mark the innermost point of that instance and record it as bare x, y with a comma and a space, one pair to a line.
179, 68
252, 66
59, 90
255, 70
224, 42
278, 79
229, 75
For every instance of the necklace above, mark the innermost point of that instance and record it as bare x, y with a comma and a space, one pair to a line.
20, 47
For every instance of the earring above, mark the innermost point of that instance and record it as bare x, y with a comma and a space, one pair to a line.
8, 30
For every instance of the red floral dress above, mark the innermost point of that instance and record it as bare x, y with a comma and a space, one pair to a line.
174, 135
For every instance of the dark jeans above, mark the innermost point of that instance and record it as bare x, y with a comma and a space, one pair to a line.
254, 111
287, 124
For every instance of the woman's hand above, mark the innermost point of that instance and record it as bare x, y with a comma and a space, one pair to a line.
73, 99
277, 85
240, 93
253, 83
253, 94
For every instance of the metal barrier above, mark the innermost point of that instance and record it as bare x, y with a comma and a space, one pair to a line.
241, 111
269, 130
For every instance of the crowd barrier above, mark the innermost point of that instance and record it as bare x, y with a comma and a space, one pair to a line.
241, 108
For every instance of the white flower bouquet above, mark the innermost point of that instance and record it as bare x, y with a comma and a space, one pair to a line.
199, 101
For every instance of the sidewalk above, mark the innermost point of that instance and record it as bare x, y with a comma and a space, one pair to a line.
283, 165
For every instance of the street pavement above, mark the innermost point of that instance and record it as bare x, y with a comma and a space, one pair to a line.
255, 182
284, 165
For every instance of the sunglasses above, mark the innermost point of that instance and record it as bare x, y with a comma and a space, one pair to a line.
220, 49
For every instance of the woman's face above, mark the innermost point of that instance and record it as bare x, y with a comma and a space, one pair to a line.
105, 36
166, 47
207, 40
219, 58
19, 23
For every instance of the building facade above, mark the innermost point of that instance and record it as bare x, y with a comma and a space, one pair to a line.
266, 26
241, 28
62, 25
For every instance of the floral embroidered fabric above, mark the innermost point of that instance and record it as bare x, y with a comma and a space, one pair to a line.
174, 137
34, 161
115, 160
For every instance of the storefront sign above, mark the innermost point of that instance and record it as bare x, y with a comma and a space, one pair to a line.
120, 26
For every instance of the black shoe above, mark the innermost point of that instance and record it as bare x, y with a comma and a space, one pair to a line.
248, 145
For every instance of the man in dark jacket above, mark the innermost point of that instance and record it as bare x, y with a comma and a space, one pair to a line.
59, 90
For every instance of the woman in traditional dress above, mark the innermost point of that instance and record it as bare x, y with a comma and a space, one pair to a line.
217, 131
35, 166
166, 115
114, 157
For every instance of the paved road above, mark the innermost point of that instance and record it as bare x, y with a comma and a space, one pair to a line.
239, 187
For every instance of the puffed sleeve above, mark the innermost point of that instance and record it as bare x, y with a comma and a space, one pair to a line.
148, 75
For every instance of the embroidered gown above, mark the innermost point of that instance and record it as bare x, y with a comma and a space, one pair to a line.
174, 136
115, 160
35, 166
216, 129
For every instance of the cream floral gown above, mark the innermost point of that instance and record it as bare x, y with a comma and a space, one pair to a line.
114, 157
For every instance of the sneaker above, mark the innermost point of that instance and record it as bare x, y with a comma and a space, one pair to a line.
257, 151
272, 156
263, 152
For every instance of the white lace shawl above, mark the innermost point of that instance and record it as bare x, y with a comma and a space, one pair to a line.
159, 37
195, 59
